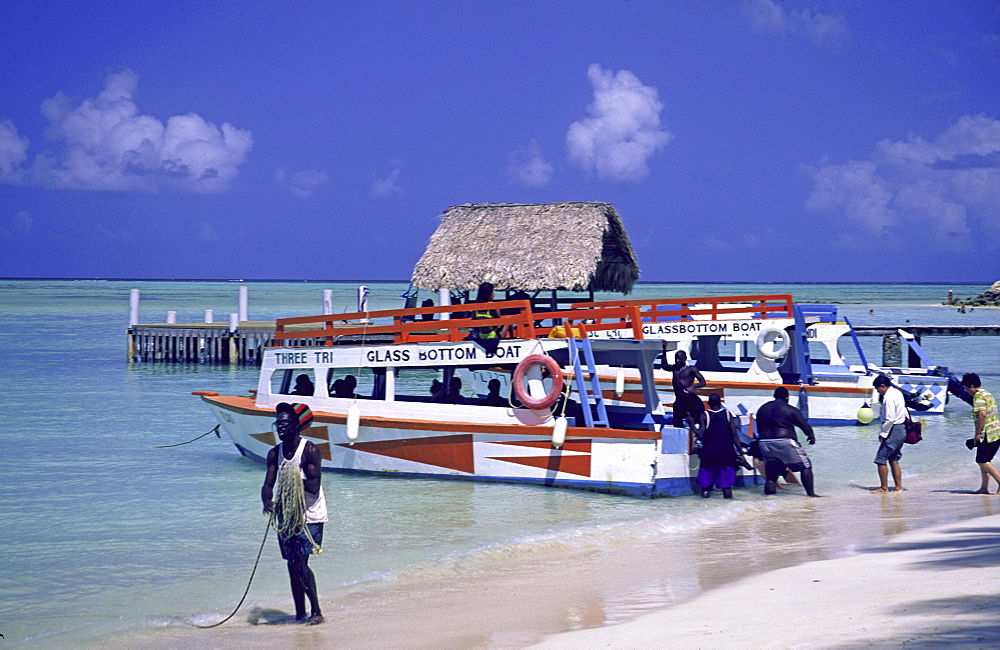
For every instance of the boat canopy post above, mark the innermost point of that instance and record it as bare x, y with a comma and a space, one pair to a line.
802, 356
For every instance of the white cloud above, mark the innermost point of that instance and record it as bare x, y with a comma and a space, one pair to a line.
623, 130
527, 166
769, 17
103, 143
944, 191
302, 184
13, 152
389, 185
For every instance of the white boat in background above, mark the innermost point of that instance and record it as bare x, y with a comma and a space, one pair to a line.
392, 425
746, 346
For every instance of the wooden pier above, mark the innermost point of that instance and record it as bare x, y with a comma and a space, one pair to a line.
928, 330
199, 342
211, 343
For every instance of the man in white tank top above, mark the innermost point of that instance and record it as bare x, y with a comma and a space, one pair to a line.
290, 419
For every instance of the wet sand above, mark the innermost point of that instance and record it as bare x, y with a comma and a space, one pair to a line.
855, 568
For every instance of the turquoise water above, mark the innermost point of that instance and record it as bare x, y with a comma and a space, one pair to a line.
105, 535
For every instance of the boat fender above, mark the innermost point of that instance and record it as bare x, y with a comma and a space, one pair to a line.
559, 432
521, 390
353, 422
620, 382
766, 343
865, 414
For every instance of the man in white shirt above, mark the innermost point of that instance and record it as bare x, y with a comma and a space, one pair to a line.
891, 436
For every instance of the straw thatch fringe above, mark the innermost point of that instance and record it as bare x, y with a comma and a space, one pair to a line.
529, 246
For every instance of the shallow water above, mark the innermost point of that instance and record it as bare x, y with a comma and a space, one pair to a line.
105, 535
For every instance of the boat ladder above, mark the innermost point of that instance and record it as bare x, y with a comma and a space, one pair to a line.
595, 414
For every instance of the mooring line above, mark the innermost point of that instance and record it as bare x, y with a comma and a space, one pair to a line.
214, 430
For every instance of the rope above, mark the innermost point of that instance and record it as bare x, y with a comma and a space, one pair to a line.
267, 529
214, 430
290, 506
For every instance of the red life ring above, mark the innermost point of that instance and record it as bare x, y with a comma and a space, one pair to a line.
522, 391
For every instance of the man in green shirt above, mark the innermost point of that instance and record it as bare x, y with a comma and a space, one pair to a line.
984, 414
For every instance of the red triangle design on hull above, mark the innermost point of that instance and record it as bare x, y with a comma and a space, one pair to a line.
267, 437
450, 452
322, 433
579, 465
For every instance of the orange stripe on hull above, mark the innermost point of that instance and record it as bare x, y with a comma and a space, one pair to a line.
569, 445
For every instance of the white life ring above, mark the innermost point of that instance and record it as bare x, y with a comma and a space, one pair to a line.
522, 391
766, 343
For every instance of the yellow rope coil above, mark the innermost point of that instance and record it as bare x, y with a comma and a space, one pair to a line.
290, 506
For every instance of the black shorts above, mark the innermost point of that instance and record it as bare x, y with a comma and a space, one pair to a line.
299, 544
686, 404
986, 451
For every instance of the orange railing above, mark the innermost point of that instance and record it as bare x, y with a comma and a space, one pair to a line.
686, 309
522, 322
407, 325
592, 319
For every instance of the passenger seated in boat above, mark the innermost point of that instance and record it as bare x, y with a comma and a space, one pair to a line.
303, 385
438, 393
455, 392
345, 387
494, 398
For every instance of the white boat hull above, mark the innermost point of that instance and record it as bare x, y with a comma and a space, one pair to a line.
637, 463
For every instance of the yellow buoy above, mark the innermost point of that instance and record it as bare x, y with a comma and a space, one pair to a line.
865, 414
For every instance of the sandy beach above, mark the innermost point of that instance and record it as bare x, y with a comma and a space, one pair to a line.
930, 587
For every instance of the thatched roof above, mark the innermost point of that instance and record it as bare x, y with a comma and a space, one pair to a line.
529, 246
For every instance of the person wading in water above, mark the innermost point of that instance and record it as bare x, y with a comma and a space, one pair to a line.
300, 507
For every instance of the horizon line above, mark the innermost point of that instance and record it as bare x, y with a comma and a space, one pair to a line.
353, 281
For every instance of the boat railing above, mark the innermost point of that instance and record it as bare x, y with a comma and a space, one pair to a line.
754, 307
409, 326
580, 321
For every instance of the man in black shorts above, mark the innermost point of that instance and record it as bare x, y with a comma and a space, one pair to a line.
779, 445
987, 438
303, 460
686, 379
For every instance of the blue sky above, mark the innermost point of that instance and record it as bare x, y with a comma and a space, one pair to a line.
757, 140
